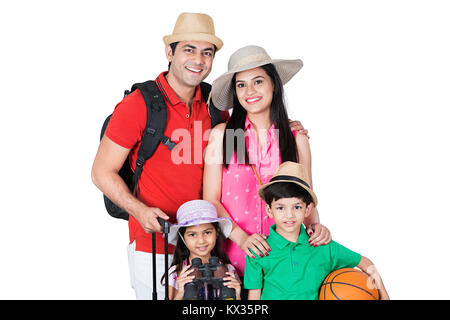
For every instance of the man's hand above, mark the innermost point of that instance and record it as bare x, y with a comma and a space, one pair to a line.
297, 125
148, 219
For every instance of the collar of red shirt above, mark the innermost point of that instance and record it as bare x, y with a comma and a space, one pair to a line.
169, 94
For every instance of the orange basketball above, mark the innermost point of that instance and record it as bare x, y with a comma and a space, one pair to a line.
348, 284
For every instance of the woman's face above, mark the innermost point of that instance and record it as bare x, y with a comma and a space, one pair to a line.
254, 90
200, 240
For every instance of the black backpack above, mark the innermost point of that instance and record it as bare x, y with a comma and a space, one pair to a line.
153, 136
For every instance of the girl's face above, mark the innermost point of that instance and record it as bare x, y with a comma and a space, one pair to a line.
200, 240
254, 90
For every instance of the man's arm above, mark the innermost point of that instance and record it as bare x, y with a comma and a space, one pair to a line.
105, 175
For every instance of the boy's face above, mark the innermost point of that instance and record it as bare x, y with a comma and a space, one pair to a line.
288, 214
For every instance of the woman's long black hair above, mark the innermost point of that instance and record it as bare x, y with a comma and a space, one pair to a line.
278, 116
182, 252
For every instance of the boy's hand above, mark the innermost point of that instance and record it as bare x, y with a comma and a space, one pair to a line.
369, 268
319, 234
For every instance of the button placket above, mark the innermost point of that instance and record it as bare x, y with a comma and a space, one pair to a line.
295, 263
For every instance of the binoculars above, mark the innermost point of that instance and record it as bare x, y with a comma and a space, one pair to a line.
212, 274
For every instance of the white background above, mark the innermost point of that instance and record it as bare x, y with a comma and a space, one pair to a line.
374, 94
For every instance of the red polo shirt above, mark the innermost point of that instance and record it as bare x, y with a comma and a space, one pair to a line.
170, 177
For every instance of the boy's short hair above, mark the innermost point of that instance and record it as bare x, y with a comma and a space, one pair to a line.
281, 190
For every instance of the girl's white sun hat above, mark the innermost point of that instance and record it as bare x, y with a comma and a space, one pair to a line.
194, 213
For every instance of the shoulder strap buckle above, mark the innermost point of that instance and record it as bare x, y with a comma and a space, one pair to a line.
166, 141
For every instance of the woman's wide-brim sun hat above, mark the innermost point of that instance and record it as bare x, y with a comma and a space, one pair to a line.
247, 58
194, 27
194, 213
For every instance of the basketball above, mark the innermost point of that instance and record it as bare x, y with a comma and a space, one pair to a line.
348, 284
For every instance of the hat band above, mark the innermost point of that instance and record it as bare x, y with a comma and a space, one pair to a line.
290, 178
188, 222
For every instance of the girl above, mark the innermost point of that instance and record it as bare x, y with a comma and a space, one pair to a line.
244, 153
198, 234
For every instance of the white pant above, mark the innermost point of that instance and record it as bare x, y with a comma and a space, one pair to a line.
141, 274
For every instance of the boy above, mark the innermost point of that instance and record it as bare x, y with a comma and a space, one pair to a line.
294, 270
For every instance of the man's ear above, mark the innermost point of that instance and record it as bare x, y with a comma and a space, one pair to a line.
169, 53
309, 209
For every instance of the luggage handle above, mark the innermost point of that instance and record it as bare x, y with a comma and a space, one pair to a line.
166, 228
165, 224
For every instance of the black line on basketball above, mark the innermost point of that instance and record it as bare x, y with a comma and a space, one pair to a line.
349, 284
332, 281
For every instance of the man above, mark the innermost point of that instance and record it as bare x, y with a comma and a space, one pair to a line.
164, 184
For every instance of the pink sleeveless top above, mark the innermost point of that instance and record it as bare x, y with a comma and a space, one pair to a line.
240, 189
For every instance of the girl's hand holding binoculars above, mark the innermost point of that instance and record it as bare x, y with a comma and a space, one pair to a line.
233, 283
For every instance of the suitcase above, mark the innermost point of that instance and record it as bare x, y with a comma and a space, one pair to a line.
166, 227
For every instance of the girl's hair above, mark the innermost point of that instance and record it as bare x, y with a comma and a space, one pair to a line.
182, 252
278, 116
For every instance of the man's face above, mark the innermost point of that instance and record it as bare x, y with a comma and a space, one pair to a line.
191, 63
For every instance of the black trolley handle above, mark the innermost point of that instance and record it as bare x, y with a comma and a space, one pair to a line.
166, 228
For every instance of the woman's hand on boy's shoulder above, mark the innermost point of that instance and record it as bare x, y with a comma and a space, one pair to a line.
319, 234
257, 243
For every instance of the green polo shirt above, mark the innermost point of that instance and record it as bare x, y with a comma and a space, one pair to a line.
295, 271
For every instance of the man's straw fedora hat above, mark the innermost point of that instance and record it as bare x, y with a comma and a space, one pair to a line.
194, 26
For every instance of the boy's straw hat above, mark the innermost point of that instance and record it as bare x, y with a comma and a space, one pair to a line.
194, 26
290, 172
247, 58
195, 212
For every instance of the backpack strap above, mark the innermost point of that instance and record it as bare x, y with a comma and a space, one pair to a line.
154, 128
214, 113
156, 122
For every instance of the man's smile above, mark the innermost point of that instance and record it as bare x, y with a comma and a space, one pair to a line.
194, 69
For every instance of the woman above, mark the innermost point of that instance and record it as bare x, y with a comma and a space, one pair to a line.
244, 153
